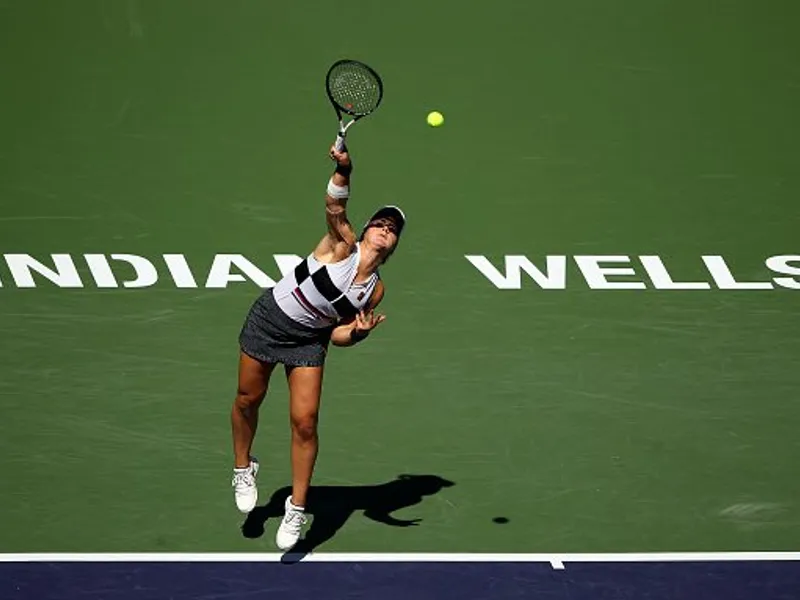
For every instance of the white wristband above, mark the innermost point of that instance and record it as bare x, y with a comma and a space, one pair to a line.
339, 192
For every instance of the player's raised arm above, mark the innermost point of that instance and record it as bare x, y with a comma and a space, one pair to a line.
340, 237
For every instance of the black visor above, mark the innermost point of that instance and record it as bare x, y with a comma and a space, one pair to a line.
389, 212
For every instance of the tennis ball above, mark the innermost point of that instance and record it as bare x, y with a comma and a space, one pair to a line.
435, 118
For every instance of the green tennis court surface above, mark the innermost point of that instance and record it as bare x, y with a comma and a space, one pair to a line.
582, 419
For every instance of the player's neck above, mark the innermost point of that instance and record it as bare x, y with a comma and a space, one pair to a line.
371, 258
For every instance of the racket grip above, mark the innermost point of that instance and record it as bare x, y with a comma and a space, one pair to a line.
339, 144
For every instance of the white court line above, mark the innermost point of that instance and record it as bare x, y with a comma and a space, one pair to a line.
556, 561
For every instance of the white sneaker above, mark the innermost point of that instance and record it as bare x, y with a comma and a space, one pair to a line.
244, 486
289, 530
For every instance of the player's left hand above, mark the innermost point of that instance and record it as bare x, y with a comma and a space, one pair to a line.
366, 321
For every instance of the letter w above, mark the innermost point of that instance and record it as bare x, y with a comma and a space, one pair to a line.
555, 277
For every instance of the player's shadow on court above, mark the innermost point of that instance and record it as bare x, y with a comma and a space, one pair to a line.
330, 506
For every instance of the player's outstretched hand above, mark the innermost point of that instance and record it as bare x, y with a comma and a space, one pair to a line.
366, 321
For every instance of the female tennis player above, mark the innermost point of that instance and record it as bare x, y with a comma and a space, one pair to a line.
330, 297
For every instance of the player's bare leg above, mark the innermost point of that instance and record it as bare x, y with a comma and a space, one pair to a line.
252, 387
305, 390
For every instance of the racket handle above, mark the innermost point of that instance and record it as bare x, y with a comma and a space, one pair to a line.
339, 144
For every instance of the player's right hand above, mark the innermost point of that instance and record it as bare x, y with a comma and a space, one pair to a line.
341, 158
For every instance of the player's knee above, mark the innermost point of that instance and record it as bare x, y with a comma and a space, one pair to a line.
305, 427
247, 399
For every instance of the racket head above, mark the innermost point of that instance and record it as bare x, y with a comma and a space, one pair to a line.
354, 88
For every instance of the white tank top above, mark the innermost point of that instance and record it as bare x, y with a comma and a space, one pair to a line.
319, 294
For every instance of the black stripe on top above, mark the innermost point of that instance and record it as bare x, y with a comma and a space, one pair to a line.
301, 272
325, 286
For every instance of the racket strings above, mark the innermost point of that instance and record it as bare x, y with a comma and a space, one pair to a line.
354, 89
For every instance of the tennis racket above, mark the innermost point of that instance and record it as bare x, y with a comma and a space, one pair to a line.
355, 90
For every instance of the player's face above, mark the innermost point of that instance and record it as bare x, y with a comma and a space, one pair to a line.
382, 233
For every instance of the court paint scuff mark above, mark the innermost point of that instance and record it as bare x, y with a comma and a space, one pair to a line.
750, 515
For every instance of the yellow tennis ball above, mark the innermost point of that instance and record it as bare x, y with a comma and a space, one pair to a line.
435, 119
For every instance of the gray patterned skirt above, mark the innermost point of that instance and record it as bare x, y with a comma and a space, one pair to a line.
270, 335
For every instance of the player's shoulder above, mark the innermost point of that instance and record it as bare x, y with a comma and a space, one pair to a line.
377, 293
330, 250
